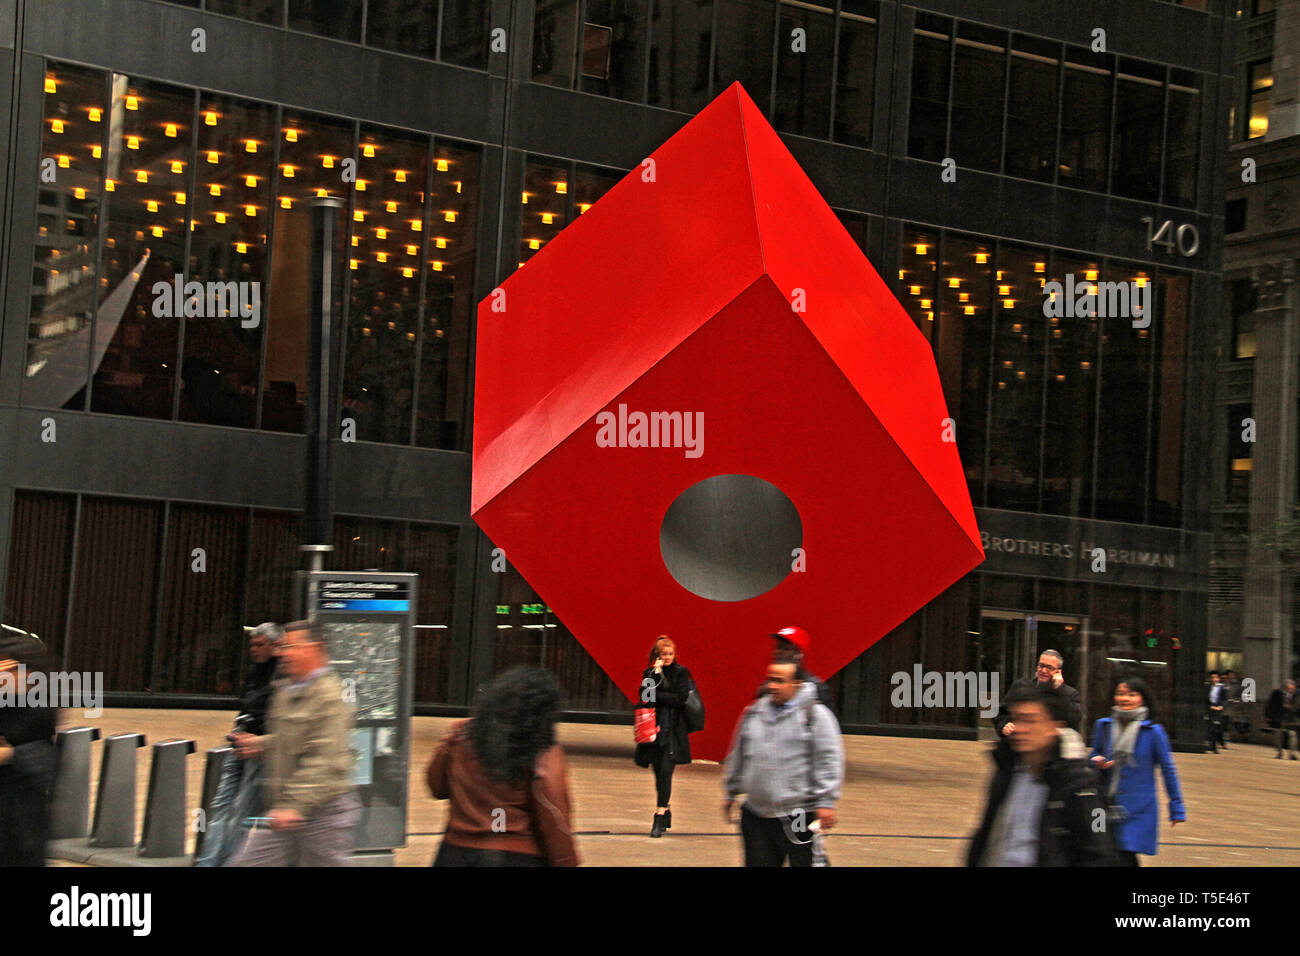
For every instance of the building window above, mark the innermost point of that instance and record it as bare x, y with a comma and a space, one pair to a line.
544, 207
1139, 130
40, 562
1259, 98
1032, 109
1168, 330
465, 33
1182, 139
403, 26
340, 19
1069, 417
1235, 217
744, 50
803, 80
979, 69
680, 39
555, 42
1085, 119
927, 134
856, 71
615, 43
1239, 455
259, 11
1242, 298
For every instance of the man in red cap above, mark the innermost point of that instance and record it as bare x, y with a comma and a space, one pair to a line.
792, 646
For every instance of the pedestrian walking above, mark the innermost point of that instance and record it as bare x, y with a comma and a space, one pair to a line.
792, 645
506, 779
1127, 747
787, 758
1049, 676
668, 685
1044, 801
307, 759
1283, 714
238, 792
27, 759
1216, 702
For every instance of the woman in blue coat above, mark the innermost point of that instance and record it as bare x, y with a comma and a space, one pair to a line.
1126, 747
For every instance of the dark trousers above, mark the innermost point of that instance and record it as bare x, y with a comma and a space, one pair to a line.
1216, 730
768, 844
663, 767
449, 854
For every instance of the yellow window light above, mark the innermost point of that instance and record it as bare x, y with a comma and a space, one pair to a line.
79, 193
110, 185
390, 206
534, 244
381, 233
927, 303
241, 247
1016, 327
213, 156
440, 242
368, 151
356, 240
381, 256
221, 218
449, 215
408, 273
286, 202
561, 188
141, 176
525, 202
902, 274
417, 225
963, 297
1004, 290
457, 191
410, 336
1020, 374
1090, 275
65, 162
1008, 303
139, 234
954, 283
1040, 266
250, 210
548, 218
250, 181
399, 175
412, 250
981, 258
915, 290
170, 130
157, 232
582, 206
97, 151
352, 264
970, 310
921, 248
1141, 282
152, 205
322, 193
133, 142
327, 162
358, 216
1001, 273
1085, 365
50, 86
132, 103
95, 114
250, 146
291, 136
214, 190
442, 165
361, 185
210, 118
437, 266
177, 167
288, 171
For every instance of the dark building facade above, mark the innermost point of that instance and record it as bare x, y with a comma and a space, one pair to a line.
976, 152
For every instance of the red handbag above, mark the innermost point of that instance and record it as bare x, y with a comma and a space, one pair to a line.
645, 730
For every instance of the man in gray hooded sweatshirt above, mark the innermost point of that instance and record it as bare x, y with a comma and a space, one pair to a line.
787, 757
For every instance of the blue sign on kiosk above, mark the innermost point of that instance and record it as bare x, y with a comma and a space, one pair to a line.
368, 618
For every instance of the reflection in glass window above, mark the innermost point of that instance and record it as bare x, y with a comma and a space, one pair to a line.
545, 207
1017, 399
978, 80
67, 223
1169, 342
856, 71
927, 131
918, 269
961, 347
555, 42
744, 50
1085, 119
232, 211
1071, 394
1139, 116
312, 149
1125, 390
340, 19
803, 80
616, 36
384, 283
465, 33
147, 158
260, 11
1182, 145
1031, 109
681, 32
407, 26
448, 298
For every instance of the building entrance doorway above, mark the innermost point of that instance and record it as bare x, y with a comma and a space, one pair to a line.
1011, 641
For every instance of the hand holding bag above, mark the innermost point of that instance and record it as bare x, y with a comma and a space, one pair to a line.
644, 728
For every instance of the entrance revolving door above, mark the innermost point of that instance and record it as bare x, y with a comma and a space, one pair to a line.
1012, 640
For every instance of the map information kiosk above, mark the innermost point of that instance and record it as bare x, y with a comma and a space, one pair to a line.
368, 618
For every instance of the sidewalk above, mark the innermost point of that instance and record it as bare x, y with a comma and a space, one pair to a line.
906, 802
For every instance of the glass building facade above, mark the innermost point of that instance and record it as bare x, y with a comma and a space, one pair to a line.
974, 157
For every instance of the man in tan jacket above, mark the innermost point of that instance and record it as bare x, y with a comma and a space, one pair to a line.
307, 761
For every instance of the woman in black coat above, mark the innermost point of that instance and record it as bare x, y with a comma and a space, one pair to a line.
672, 684
26, 760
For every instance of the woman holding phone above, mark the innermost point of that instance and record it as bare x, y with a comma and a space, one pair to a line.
666, 684
1127, 747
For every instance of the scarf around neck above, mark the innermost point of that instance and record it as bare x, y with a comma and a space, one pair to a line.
1125, 729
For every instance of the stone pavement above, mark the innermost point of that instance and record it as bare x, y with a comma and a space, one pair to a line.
907, 801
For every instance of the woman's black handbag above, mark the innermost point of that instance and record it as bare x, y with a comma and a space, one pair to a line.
694, 711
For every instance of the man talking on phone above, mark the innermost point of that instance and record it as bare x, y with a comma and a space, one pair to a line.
1047, 677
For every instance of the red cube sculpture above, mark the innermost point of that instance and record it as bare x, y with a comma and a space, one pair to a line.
715, 282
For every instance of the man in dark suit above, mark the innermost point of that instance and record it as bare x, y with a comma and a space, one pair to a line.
1216, 702
1049, 678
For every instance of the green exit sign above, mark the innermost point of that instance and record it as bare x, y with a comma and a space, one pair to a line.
532, 609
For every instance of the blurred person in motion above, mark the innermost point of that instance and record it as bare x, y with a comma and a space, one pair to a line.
787, 758
1283, 713
668, 684
27, 758
792, 645
1044, 800
506, 778
307, 761
1127, 747
1049, 676
238, 790
1216, 703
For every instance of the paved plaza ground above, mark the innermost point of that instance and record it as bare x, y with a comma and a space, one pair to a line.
906, 802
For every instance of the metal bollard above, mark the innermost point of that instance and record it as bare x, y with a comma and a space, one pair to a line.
214, 761
115, 805
164, 810
70, 798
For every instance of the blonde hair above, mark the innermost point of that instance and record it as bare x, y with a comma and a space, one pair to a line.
660, 641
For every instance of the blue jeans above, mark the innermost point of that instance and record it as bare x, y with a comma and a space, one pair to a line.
238, 797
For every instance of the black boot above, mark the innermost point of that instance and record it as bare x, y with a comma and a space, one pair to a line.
657, 830
668, 819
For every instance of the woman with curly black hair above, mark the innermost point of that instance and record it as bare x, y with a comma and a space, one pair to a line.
505, 777
671, 683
